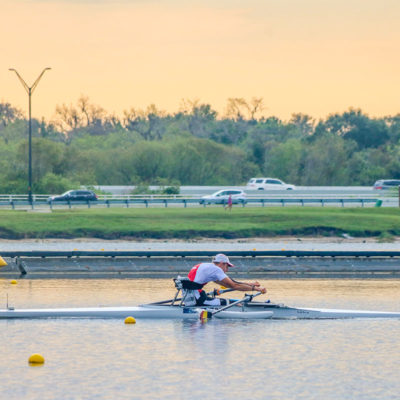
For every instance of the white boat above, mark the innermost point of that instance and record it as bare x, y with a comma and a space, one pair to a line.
176, 308
143, 311
251, 310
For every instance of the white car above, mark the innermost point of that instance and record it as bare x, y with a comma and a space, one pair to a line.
222, 197
383, 184
268, 184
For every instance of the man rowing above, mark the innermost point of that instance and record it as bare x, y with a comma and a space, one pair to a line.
215, 271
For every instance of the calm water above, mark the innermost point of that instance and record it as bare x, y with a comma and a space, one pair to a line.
106, 359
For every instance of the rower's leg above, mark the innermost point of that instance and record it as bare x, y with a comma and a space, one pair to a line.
213, 302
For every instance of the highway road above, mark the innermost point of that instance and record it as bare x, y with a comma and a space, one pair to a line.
300, 191
340, 196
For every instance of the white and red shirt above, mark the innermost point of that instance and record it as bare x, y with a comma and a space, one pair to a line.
206, 272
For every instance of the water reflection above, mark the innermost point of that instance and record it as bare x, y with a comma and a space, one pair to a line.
103, 359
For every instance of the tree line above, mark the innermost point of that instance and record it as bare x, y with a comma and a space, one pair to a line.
85, 145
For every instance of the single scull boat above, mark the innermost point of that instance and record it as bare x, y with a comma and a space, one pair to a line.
176, 309
251, 310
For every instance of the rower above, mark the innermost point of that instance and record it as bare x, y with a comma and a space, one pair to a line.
215, 271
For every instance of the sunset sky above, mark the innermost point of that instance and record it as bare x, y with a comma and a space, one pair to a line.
311, 56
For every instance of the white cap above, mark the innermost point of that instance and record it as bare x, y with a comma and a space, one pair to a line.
222, 258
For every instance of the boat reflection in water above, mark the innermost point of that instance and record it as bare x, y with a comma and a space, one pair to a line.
175, 359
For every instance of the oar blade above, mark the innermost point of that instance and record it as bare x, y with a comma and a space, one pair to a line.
205, 315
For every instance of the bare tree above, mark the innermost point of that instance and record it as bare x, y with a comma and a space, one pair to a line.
187, 106
238, 108
68, 117
304, 123
84, 115
8, 114
90, 112
256, 106
148, 123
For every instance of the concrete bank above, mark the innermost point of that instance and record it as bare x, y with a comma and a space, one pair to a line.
279, 266
168, 267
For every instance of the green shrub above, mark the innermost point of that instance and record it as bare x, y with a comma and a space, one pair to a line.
54, 184
171, 190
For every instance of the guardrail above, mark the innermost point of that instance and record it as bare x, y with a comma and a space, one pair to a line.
45, 197
255, 195
203, 253
185, 202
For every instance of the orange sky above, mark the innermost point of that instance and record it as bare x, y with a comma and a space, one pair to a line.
309, 56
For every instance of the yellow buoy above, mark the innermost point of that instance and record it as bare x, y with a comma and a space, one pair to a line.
2, 262
130, 320
36, 359
13, 282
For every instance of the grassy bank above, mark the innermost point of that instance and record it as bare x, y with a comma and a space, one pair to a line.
199, 222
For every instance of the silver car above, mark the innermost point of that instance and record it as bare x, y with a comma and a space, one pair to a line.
222, 197
383, 184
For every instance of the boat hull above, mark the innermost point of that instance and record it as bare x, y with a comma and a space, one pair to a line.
250, 311
102, 312
244, 315
285, 312
149, 312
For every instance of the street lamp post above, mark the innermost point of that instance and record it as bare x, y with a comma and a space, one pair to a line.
30, 90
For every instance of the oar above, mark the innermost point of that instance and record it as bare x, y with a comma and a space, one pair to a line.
209, 314
217, 292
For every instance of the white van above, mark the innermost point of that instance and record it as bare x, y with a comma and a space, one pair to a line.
268, 184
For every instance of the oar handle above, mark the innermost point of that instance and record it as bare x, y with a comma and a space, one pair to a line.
217, 292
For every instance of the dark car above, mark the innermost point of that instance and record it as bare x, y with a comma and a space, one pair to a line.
74, 195
387, 184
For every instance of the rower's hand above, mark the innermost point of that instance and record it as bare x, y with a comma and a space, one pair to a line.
261, 289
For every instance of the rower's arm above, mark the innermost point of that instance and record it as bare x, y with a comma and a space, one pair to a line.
241, 286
